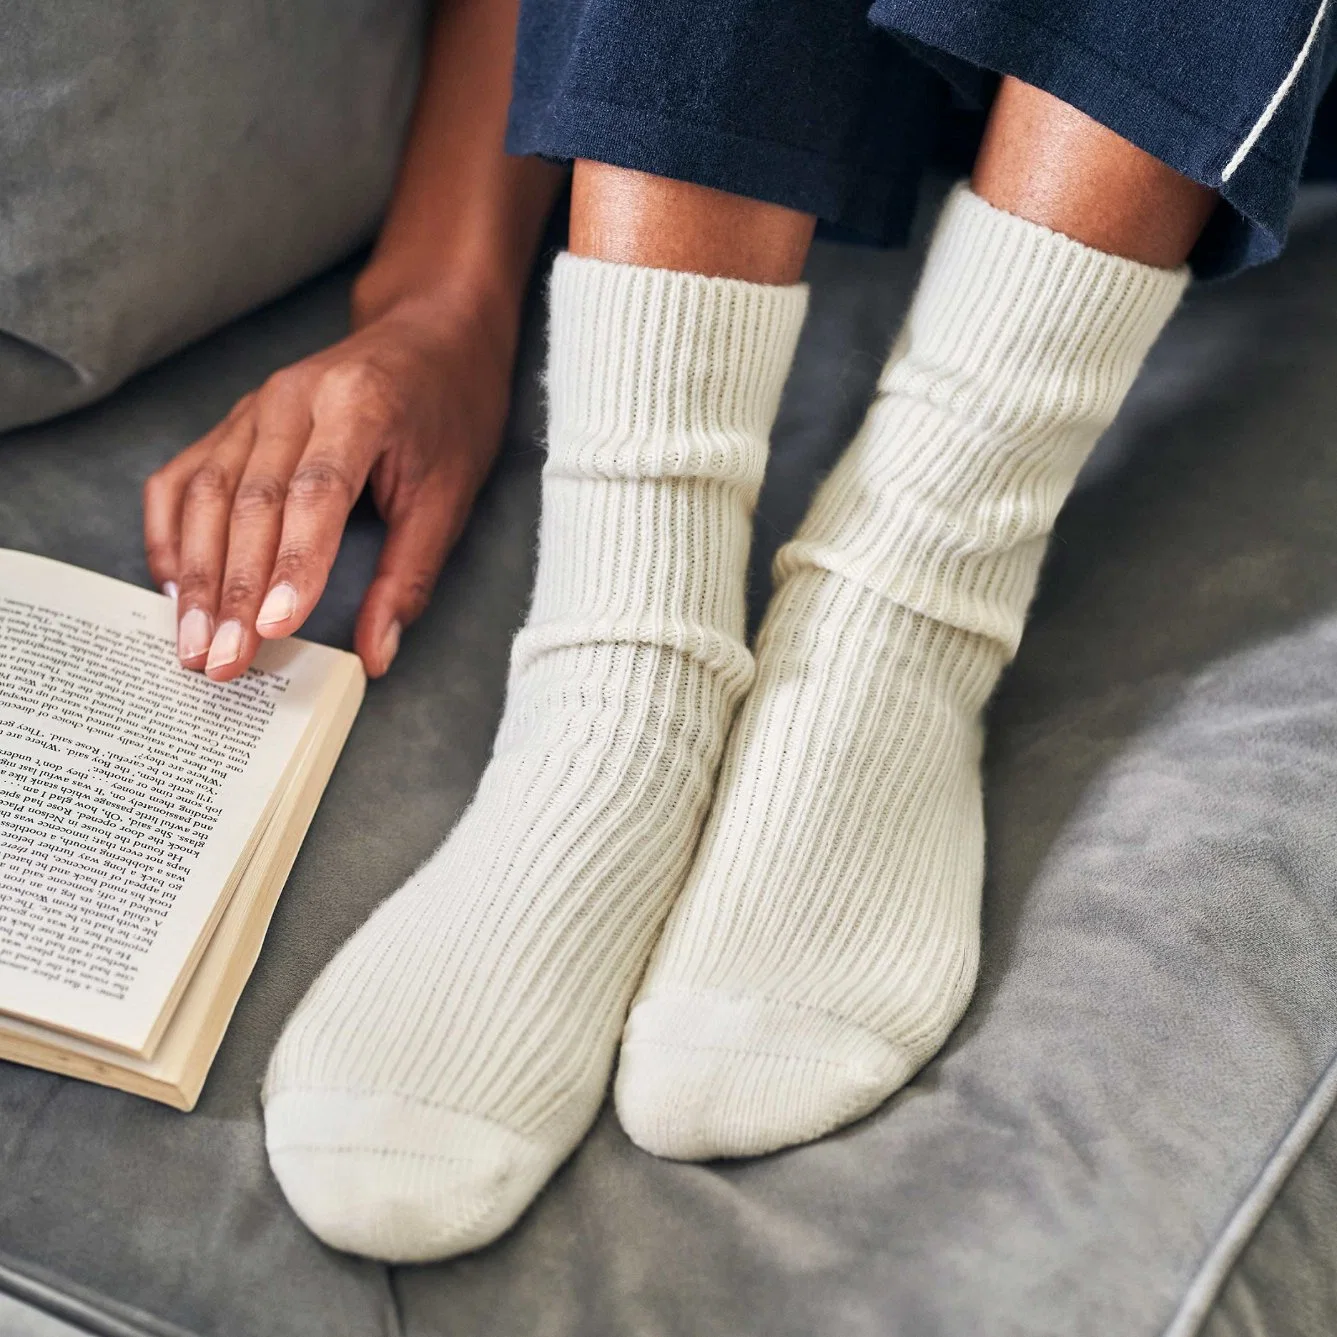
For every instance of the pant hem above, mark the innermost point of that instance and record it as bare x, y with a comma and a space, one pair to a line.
878, 205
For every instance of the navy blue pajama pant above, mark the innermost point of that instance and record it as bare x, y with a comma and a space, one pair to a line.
836, 108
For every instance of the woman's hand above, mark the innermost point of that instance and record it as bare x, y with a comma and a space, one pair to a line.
245, 523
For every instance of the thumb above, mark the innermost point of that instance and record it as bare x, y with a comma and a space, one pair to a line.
412, 556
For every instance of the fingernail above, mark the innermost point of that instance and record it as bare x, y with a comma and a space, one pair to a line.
226, 645
169, 590
279, 605
390, 643
192, 637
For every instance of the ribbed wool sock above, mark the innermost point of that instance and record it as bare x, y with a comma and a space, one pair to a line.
827, 938
459, 1045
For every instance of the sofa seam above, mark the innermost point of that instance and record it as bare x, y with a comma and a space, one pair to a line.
89, 1311
1219, 1262
81, 1310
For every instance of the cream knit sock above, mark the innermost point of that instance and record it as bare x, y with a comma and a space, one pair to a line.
458, 1047
827, 939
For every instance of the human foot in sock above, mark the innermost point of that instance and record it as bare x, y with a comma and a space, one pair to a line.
827, 938
458, 1047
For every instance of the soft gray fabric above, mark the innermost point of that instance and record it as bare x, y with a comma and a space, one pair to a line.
166, 166
19, 1319
1159, 996
1285, 1282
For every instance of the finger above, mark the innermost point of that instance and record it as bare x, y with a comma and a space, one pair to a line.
206, 507
282, 428
349, 433
411, 560
163, 491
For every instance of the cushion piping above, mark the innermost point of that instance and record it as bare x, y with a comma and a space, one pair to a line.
1220, 1259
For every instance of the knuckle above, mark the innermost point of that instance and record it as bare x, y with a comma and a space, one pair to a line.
209, 483
414, 471
195, 584
240, 589
280, 384
295, 556
419, 590
158, 553
317, 482
258, 495
360, 387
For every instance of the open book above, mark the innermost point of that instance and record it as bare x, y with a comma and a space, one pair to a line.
148, 821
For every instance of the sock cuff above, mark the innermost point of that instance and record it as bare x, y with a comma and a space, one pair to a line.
1015, 355
1033, 308
655, 372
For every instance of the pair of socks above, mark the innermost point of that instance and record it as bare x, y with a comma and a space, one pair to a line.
761, 877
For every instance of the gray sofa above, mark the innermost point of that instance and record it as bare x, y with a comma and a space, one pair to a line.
1131, 1131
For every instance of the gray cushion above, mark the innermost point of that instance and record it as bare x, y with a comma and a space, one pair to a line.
18, 1318
1120, 1137
166, 166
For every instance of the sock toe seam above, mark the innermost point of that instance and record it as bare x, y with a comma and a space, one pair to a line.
743, 1053
360, 1149
930, 1046
420, 1102
768, 1001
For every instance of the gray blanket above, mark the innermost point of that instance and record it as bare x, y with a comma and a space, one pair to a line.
1129, 1133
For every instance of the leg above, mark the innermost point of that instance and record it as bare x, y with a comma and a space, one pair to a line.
827, 938
632, 218
459, 1046
1045, 161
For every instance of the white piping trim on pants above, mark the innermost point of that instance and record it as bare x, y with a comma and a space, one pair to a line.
1278, 97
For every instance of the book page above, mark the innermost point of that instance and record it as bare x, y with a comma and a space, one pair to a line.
130, 791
